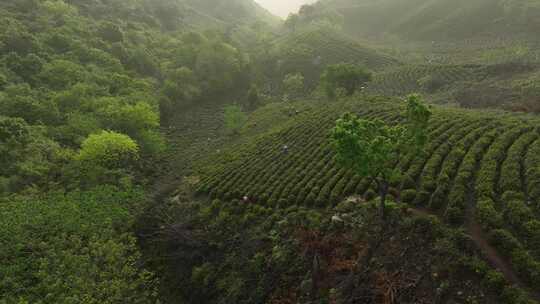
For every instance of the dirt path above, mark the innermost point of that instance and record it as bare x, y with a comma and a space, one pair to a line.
477, 234
491, 254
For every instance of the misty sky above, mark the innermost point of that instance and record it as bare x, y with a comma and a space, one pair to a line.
282, 8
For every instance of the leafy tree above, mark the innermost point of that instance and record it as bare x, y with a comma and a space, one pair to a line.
16, 38
21, 101
292, 22
110, 32
27, 67
293, 84
372, 148
234, 118
181, 86
307, 11
218, 67
14, 135
109, 149
27, 157
253, 97
60, 74
130, 119
344, 76
142, 61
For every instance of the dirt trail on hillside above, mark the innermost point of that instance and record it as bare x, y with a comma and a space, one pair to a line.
490, 253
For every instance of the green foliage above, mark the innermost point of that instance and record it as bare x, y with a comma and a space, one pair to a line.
218, 66
372, 148
23, 102
344, 76
487, 215
134, 120
61, 74
408, 196
181, 87
293, 84
235, 118
72, 248
27, 158
292, 22
460, 142
436, 20
253, 97
110, 150
417, 120
369, 147
504, 241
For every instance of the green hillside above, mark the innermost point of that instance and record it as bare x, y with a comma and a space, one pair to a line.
179, 152
309, 51
87, 89
233, 12
474, 54
480, 168
440, 20
509, 86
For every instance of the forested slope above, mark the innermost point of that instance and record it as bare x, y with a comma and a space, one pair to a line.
309, 50
86, 89
439, 20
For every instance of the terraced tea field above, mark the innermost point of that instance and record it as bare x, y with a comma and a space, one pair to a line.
331, 47
310, 51
480, 171
421, 78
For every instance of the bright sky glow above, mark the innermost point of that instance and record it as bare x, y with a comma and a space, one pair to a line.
282, 8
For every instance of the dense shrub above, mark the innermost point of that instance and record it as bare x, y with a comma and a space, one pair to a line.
344, 76
78, 246
487, 215
532, 234
422, 198
494, 280
408, 182
408, 196
370, 195
514, 295
455, 215
438, 199
527, 266
504, 241
517, 213
110, 150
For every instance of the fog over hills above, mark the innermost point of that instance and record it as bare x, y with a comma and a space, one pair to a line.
282, 8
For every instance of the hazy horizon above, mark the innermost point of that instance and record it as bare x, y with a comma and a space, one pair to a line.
283, 8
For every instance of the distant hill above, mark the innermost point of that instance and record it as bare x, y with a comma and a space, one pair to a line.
234, 11
438, 20
309, 51
172, 14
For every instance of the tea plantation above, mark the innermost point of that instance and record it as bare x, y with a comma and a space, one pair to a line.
480, 172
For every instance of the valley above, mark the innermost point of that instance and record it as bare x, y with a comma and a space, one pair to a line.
179, 151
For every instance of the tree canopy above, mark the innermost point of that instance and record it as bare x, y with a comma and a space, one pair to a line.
346, 77
373, 148
235, 118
